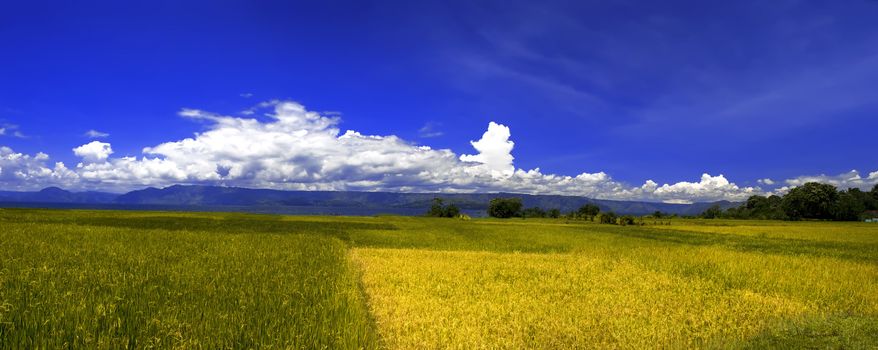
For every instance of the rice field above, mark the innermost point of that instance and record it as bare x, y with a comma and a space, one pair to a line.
96, 280
103, 279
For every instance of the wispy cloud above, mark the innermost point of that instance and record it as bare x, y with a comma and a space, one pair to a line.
642, 81
95, 134
11, 130
766, 181
429, 130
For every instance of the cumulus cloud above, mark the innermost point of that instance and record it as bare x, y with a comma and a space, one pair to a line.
851, 179
95, 134
290, 147
708, 189
495, 151
94, 151
19, 171
295, 149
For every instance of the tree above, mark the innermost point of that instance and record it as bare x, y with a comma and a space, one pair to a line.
554, 213
758, 207
658, 214
534, 212
740, 212
713, 212
626, 220
589, 211
756, 203
608, 218
505, 207
812, 200
849, 205
437, 208
451, 211
775, 208
870, 199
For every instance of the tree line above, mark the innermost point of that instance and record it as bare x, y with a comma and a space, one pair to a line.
513, 207
812, 200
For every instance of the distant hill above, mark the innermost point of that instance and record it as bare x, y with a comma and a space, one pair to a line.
231, 196
57, 195
244, 199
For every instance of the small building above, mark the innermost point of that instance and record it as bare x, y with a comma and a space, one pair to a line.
870, 216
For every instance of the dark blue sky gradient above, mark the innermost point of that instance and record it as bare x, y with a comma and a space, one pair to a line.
660, 90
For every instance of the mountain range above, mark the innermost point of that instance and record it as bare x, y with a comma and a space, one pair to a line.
180, 197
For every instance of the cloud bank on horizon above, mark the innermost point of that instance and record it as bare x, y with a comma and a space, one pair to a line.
289, 147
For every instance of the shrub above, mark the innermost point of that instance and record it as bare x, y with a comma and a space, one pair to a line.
535, 212
438, 209
589, 211
505, 207
608, 218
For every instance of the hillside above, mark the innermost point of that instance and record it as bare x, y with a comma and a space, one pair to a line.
243, 199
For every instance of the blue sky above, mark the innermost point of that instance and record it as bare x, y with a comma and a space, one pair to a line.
637, 91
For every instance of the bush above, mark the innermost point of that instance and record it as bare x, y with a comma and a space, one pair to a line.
505, 207
608, 218
589, 211
451, 211
438, 209
535, 212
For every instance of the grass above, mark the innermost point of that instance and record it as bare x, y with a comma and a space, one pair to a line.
101, 279
93, 280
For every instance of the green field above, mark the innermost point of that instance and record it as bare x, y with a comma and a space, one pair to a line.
112, 279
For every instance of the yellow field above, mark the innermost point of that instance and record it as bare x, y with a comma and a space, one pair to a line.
606, 295
816, 231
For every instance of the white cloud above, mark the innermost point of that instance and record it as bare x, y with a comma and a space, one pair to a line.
23, 172
429, 130
95, 134
289, 147
710, 188
851, 179
766, 181
495, 151
296, 149
6, 129
94, 151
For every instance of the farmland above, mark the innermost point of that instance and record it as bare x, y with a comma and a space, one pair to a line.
109, 279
